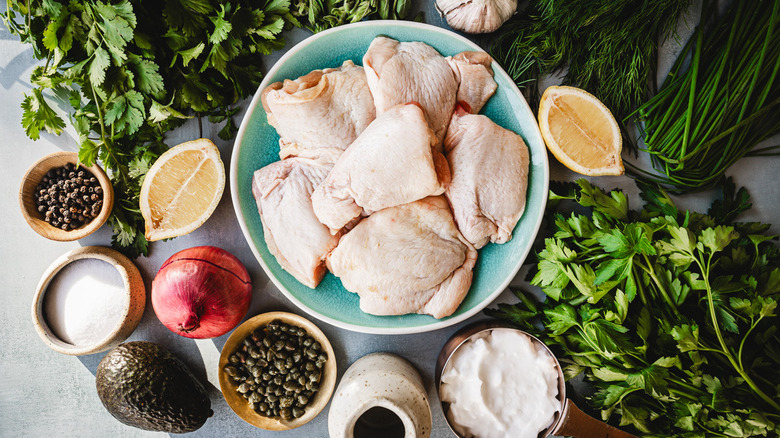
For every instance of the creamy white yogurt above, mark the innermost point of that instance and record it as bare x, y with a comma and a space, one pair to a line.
501, 384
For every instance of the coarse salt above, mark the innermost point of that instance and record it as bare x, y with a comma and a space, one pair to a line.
85, 301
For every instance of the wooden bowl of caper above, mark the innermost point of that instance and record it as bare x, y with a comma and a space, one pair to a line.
277, 371
63, 200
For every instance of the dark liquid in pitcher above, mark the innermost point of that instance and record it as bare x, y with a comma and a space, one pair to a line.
379, 422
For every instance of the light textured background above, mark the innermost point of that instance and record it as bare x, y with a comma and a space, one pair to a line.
44, 393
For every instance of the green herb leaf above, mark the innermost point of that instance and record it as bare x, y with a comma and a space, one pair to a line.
38, 115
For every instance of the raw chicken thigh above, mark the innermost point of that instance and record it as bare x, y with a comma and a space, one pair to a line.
292, 232
406, 259
489, 169
394, 161
323, 109
475, 78
401, 72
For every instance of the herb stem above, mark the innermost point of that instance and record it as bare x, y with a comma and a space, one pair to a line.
744, 338
651, 273
683, 394
104, 141
737, 367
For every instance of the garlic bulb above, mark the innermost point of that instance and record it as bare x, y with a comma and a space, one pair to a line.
476, 16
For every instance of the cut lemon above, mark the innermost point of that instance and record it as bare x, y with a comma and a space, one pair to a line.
182, 189
580, 131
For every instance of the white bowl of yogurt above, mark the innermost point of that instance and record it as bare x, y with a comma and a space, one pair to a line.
495, 381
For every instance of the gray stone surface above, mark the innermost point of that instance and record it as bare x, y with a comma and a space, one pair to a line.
44, 393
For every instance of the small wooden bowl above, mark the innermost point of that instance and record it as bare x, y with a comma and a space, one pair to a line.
133, 306
33, 177
237, 402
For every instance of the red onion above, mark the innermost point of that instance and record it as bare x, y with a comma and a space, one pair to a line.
201, 292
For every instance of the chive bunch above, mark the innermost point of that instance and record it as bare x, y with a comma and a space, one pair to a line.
721, 98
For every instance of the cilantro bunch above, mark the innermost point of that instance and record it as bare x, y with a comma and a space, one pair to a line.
319, 15
671, 316
131, 71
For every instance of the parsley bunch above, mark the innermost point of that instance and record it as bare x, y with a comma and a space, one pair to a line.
131, 71
670, 315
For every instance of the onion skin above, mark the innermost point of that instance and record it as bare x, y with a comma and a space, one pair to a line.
201, 292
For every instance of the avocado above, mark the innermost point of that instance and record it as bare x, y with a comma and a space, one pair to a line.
142, 384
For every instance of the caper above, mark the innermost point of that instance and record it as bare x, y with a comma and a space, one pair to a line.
322, 357
307, 342
266, 376
257, 372
281, 355
262, 363
316, 346
310, 366
279, 391
252, 405
291, 386
298, 412
272, 398
310, 353
233, 359
254, 352
266, 342
251, 361
231, 371
278, 380
243, 388
302, 380
302, 400
286, 402
263, 407
315, 376
254, 397
297, 356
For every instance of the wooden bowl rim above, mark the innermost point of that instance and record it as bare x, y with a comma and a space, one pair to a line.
31, 179
241, 407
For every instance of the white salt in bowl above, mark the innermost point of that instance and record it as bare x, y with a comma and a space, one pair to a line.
126, 308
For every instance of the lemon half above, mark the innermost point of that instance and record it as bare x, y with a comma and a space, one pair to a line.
182, 189
580, 131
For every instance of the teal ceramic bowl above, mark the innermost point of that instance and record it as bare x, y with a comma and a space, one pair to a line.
257, 145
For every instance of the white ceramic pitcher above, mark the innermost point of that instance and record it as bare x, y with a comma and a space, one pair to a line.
380, 396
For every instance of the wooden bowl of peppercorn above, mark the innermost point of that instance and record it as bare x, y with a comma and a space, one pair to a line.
62, 200
246, 349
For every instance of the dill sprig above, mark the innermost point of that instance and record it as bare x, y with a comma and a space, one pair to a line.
721, 99
609, 47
